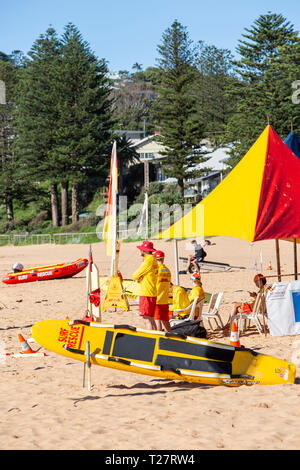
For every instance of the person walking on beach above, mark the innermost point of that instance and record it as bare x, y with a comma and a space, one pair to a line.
146, 275
197, 257
161, 314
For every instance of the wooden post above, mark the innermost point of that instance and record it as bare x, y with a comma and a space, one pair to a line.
278, 260
295, 259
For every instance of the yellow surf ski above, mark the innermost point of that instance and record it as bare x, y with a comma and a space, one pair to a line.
165, 355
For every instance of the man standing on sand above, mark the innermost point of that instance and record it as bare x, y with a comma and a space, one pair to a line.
161, 314
146, 275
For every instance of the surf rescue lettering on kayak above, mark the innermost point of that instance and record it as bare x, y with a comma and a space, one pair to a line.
72, 337
45, 273
80, 264
23, 277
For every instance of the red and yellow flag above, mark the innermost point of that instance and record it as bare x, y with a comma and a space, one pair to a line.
109, 229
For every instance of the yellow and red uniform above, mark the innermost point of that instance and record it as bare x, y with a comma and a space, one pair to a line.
163, 288
197, 291
146, 274
180, 300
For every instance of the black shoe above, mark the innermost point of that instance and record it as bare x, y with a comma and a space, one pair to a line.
181, 272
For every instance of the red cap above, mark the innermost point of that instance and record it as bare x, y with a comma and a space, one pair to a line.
258, 277
159, 254
195, 276
146, 246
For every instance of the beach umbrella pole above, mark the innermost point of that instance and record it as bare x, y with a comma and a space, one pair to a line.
295, 259
278, 260
176, 261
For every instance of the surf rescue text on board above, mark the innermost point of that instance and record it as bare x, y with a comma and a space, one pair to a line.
152, 459
71, 336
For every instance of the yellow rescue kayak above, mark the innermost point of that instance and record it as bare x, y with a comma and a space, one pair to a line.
165, 355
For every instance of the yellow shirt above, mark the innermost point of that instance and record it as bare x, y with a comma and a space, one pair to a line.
180, 299
163, 285
148, 272
197, 291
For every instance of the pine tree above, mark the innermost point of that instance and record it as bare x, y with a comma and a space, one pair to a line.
263, 85
176, 106
127, 156
211, 87
63, 116
37, 116
9, 188
84, 113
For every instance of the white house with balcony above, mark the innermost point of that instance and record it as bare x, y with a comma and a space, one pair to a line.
149, 149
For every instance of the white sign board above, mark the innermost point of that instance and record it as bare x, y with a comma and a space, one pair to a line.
283, 308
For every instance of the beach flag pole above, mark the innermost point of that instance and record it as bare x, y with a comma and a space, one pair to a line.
87, 302
89, 279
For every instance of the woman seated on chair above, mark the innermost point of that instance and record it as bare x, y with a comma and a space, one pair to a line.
247, 307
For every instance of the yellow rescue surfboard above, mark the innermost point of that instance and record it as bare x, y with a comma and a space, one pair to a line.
159, 354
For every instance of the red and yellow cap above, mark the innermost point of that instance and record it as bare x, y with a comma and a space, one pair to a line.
159, 254
195, 276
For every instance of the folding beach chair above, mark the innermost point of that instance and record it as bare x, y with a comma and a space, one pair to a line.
196, 304
257, 315
212, 312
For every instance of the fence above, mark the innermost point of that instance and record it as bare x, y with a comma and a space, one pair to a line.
56, 238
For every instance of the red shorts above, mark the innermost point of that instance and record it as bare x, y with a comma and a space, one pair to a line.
162, 312
147, 306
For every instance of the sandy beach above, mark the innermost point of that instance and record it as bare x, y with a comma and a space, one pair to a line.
43, 404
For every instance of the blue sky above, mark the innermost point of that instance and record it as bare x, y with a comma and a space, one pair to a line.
128, 31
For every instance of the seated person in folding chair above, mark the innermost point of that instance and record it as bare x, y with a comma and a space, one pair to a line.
197, 291
199, 256
247, 307
180, 299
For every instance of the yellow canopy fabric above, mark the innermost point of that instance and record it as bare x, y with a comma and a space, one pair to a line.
258, 200
231, 208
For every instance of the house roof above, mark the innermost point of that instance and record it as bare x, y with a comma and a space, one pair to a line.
145, 141
216, 159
